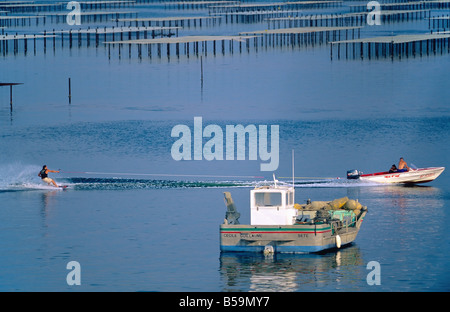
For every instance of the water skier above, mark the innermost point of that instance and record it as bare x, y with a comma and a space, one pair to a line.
44, 175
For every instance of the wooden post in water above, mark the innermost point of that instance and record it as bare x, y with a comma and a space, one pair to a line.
331, 50
201, 68
70, 92
11, 96
10, 84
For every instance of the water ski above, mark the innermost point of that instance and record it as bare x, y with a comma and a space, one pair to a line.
63, 186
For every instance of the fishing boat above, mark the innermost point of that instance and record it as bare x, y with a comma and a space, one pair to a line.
277, 224
413, 176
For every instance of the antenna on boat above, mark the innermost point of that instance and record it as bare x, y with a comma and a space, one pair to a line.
293, 168
274, 180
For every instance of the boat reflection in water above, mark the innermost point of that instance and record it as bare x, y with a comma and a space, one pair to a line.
400, 196
396, 226
282, 272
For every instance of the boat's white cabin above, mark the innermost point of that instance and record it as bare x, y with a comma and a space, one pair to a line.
272, 206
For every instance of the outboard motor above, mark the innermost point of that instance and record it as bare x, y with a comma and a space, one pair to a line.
353, 174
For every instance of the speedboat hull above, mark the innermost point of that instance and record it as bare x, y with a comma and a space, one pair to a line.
421, 175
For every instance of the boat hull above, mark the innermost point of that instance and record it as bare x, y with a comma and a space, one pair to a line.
302, 238
422, 175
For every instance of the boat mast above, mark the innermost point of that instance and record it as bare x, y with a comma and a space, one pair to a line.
293, 169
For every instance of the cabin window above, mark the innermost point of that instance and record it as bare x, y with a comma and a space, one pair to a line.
289, 198
268, 199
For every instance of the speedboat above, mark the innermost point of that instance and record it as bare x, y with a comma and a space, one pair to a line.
413, 176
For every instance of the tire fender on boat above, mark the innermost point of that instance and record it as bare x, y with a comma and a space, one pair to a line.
338, 241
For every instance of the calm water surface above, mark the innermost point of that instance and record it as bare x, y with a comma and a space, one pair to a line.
155, 230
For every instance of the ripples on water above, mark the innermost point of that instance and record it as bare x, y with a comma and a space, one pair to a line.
172, 222
161, 233
171, 217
